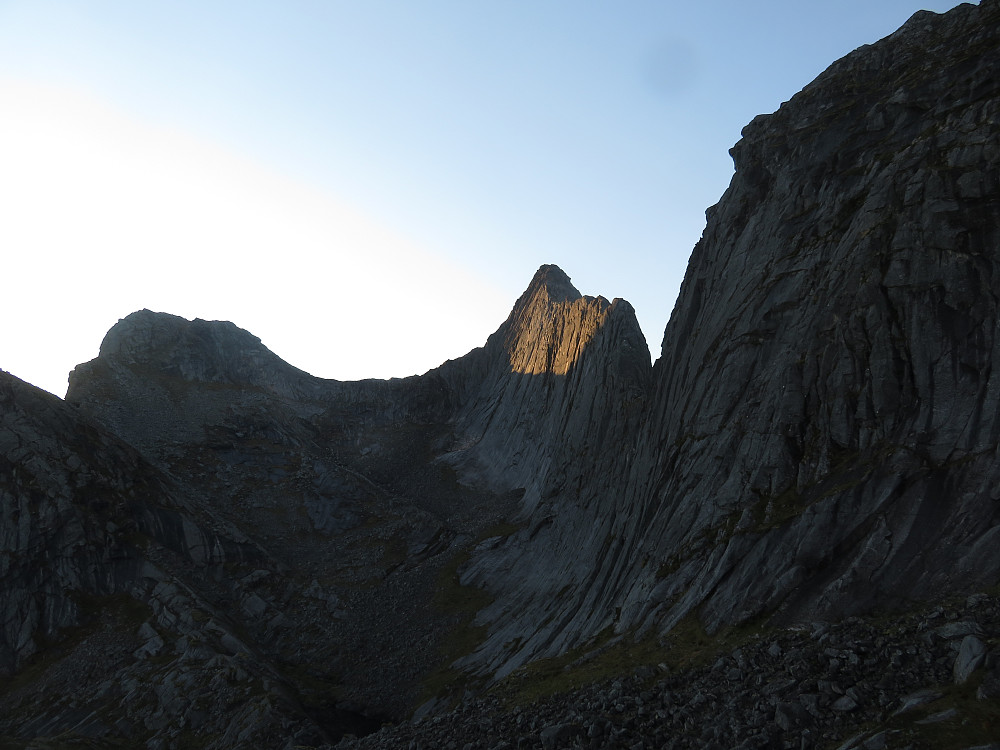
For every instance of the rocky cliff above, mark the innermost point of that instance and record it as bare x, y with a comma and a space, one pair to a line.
205, 545
825, 389
818, 439
290, 521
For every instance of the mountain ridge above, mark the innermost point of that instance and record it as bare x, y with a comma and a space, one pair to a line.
815, 443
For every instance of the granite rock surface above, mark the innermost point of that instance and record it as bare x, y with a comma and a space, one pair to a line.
818, 437
205, 546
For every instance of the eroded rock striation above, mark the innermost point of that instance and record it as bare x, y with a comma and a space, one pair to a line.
835, 413
818, 439
254, 512
204, 543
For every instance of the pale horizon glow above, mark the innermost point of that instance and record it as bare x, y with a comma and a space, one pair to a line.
368, 187
153, 218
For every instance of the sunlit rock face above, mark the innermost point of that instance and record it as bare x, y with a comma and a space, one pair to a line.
552, 324
564, 373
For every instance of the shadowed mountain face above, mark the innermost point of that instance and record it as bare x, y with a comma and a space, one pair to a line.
295, 533
206, 540
825, 387
819, 439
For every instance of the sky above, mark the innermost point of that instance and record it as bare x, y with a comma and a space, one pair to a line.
368, 186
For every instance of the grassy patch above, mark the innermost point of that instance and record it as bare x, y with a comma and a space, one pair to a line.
502, 529
462, 603
976, 723
668, 567
599, 660
606, 657
849, 470
772, 511
707, 537
95, 612
688, 646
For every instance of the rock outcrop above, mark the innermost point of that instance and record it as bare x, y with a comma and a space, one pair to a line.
117, 613
205, 545
565, 374
819, 439
825, 399
262, 512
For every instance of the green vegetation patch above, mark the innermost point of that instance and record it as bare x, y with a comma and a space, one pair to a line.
462, 603
773, 511
687, 646
970, 723
95, 613
602, 658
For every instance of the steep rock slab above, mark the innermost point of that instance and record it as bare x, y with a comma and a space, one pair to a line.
63, 485
558, 417
826, 439
80, 511
557, 373
822, 437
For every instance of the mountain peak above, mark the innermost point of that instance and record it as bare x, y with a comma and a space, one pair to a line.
209, 351
554, 281
551, 324
815, 447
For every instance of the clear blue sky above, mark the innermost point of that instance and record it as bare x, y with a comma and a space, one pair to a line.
369, 185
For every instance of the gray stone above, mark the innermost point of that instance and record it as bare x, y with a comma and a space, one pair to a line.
844, 704
152, 642
957, 630
989, 689
878, 741
557, 734
970, 657
937, 718
919, 698
791, 716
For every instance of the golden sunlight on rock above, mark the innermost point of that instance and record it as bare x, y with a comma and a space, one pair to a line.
553, 324
550, 337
